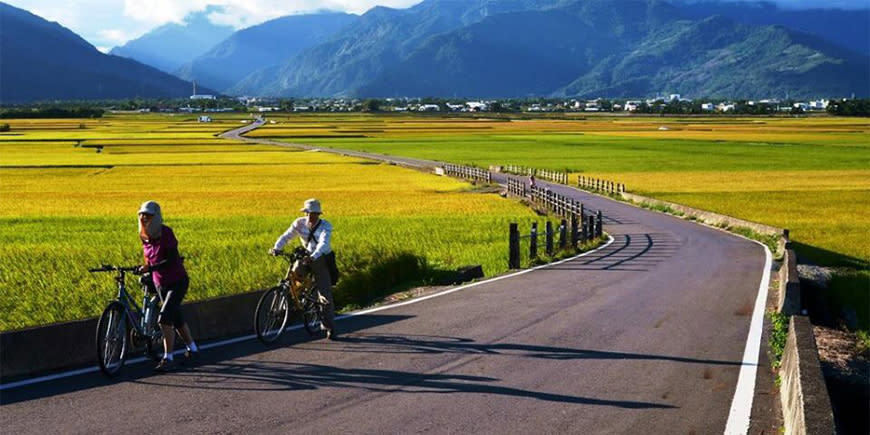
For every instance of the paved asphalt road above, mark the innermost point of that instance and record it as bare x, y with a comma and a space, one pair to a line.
644, 336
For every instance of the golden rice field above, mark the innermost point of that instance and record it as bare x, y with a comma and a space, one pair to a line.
806, 174
826, 131
810, 175
64, 207
65, 190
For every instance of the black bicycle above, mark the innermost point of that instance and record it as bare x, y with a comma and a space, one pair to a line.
294, 293
124, 323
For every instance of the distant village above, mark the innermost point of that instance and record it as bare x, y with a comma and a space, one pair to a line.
673, 103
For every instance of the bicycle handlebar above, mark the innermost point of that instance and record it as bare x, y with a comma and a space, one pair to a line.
111, 268
297, 254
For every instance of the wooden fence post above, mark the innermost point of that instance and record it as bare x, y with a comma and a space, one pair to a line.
574, 234
549, 238
533, 241
514, 247
599, 226
563, 234
590, 227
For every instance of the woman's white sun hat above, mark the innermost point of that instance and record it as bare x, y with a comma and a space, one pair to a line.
312, 206
150, 207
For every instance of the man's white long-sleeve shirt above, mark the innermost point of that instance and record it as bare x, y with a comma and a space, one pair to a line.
319, 244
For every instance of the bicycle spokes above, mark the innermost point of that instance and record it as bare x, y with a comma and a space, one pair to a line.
272, 314
114, 339
276, 314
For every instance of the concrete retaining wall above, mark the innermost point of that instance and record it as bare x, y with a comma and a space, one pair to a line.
789, 302
31, 351
806, 406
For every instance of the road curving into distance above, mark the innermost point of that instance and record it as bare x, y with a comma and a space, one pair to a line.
646, 335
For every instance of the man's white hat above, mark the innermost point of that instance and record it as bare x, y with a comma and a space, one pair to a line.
312, 206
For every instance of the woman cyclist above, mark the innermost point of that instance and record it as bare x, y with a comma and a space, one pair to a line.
160, 249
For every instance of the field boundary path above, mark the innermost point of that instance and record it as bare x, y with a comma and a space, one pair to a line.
659, 332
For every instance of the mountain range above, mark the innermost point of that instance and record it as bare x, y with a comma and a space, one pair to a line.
43, 60
586, 48
519, 48
172, 45
261, 46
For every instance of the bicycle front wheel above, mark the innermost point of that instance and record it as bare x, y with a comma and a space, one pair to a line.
272, 313
312, 311
112, 339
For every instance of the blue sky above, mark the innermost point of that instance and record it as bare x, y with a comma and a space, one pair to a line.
108, 23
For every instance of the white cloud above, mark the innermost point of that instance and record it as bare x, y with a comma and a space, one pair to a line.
99, 21
245, 13
159, 12
114, 36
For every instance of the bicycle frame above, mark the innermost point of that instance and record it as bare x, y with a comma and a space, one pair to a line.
134, 312
274, 309
295, 282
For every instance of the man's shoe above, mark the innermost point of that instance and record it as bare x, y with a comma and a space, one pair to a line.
165, 365
191, 358
331, 335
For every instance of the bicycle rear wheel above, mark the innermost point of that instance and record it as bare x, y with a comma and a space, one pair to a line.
272, 313
312, 311
112, 339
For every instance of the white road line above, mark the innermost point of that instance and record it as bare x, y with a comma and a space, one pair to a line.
741, 405
82, 371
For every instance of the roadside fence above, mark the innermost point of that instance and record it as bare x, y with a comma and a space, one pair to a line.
468, 172
518, 170
570, 234
543, 174
517, 188
595, 184
577, 225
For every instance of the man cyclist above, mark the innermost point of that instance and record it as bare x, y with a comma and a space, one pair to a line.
315, 235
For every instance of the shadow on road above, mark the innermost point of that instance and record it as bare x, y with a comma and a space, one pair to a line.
629, 252
249, 375
256, 375
425, 344
139, 371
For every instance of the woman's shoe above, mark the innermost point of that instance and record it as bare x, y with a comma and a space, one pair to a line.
165, 365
